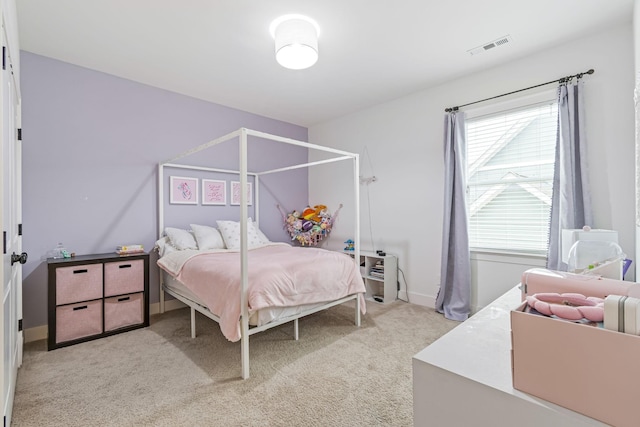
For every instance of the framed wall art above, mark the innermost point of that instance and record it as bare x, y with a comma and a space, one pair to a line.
214, 192
183, 190
235, 193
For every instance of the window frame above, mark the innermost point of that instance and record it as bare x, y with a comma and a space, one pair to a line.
512, 103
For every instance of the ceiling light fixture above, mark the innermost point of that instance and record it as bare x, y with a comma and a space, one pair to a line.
296, 39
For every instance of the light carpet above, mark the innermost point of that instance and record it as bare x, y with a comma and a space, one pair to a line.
336, 375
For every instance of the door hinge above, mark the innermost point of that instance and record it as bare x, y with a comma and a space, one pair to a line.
19, 325
4, 57
19, 134
4, 242
19, 229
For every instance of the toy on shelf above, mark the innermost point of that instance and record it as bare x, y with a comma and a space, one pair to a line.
349, 246
311, 226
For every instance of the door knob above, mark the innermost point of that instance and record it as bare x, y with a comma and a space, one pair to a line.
22, 258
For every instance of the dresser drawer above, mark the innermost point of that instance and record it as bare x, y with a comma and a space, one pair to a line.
78, 320
124, 310
123, 277
78, 283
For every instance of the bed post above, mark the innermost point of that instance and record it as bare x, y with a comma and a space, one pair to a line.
356, 194
256, 196
193, 322
161, 225
244, 319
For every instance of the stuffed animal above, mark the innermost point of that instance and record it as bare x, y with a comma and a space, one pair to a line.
318, 211
308, 213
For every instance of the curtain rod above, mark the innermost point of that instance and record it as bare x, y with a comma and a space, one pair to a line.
561, 80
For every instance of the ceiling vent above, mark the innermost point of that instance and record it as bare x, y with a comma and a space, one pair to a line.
491, 45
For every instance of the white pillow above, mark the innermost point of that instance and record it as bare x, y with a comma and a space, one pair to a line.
181, 239
164, 246
207, 237
230, 231
161, 245
263, 238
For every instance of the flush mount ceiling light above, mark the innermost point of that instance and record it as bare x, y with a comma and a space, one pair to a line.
296, 39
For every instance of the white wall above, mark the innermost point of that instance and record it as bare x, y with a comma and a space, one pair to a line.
404, 140
636, 39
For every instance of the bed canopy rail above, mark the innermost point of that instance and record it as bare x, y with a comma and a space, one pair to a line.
242, 135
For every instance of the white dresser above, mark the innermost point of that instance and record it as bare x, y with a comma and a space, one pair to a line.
464, 378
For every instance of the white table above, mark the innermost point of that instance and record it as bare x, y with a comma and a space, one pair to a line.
464, 378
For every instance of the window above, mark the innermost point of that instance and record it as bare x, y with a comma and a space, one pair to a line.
510, 159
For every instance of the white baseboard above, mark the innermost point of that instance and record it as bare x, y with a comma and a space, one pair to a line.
172, 304
36, 334
419, 299
42, 332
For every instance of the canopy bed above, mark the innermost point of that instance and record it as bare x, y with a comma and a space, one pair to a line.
242, 300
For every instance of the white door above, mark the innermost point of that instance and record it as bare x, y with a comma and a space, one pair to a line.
13, 258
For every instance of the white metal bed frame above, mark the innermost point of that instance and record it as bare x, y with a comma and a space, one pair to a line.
242, 134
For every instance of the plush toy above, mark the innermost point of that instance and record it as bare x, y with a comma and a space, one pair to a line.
318, 210
308, 213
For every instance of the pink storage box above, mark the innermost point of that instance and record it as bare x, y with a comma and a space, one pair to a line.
78, 283
124, 310
123, 277
539, 280
584, 368
78, 320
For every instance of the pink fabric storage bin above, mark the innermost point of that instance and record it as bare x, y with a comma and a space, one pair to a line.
78, 283
124, 310
78, 320
539, 280
584, 368
123, 277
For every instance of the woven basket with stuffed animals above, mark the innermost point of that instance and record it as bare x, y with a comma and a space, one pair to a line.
311, 226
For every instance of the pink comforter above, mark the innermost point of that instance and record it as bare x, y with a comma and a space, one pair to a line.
279, 276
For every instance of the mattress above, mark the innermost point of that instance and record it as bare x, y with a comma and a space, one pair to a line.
258, 318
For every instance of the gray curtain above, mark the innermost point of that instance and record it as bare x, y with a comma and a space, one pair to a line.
571, 202
455, 273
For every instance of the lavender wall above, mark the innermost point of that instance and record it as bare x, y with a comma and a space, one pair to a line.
91, 146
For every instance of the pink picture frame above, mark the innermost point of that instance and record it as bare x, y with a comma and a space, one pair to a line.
214, 192
235, 193
183, 190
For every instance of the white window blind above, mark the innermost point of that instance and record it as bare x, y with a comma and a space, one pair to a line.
510, 159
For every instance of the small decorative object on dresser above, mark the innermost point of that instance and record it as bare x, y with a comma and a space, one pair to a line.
129, 249
93, 296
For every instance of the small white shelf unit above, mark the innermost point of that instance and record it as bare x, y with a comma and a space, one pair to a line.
381, 289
